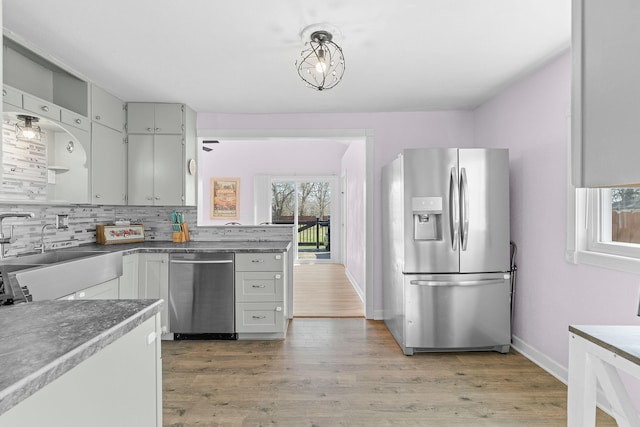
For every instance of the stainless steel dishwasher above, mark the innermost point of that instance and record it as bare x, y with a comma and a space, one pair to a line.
201, 296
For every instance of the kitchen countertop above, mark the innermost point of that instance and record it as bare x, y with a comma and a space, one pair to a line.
41, 341
192, 246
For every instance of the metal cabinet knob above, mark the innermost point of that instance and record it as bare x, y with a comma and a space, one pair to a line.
98, 117
157, 198
78, 121
149, 129
44, 108
98, 196
157, 129
4, 92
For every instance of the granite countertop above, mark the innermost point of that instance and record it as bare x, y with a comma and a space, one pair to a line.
623, 340
192, 246
41, 341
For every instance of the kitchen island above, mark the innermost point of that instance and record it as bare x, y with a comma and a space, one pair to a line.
79, 363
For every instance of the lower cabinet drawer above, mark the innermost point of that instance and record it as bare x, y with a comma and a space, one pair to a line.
259, 317
259, 286
259, 262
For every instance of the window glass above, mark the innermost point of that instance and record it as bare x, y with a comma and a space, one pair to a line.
624, 223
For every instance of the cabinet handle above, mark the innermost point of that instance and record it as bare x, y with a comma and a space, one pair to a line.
98, 196
157, 129
258, 317
78, 121
98, 117
44, 108
157, 198
4, 92
149, 129
258, 286
149, 198
257, 260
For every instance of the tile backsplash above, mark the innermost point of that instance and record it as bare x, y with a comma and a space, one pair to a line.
84, 218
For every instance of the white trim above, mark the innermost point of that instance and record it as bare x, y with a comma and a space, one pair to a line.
554, 369
354, 284
542, 360
369, 262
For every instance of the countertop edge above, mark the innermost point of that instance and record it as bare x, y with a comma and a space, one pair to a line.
25, 387
596, 338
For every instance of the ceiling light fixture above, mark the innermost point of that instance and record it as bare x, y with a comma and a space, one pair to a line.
321, 63
25, 128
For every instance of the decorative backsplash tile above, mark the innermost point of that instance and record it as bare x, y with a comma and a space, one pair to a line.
24, 166
84, 218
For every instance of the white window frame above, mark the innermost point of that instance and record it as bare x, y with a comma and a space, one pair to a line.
584, 242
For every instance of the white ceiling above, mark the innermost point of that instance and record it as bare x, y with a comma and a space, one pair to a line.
238, 56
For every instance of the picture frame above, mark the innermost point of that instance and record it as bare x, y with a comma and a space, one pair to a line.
225, 198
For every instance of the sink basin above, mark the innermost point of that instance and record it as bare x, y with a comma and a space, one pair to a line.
52, 257
63, 273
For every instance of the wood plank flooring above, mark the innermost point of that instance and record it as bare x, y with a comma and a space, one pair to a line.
350, 372
323, 290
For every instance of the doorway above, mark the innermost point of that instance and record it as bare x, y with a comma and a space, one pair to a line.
309, 204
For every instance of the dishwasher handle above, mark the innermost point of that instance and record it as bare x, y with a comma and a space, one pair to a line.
195, 261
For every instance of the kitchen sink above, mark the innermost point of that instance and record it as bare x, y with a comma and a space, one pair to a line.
55, 274
52, 257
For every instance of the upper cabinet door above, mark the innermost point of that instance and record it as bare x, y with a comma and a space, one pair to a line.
144, 117
605, 93
141, 117
106, 109
168, 118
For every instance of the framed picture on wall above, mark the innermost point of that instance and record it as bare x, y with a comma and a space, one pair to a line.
225, 198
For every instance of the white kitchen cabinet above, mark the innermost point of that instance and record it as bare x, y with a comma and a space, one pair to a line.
155, 118
605, 93
121, 385
153, 282
128, 284
108, 170
12, 97
47, 84
155, 170
108, 149
107, 109
260, 295
161, 142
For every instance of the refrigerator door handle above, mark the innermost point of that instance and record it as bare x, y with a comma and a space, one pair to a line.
454, 207
464, 208
443, 283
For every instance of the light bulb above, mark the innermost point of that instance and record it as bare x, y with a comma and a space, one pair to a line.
321, 66
28, 133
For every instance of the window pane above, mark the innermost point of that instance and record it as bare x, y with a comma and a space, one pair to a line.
283, 202
625, 214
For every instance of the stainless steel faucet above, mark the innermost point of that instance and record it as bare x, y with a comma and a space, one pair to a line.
44, 227
8, 240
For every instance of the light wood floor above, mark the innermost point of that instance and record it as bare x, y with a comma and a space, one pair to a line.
350, 372
323, 290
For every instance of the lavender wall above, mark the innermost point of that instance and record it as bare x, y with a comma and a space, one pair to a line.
391, 133
245, 159
531, 119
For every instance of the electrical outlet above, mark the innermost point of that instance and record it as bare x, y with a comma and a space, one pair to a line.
62, 221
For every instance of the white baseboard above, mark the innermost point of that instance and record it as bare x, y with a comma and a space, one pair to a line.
555, 369
541, 359
354, 284
377, 314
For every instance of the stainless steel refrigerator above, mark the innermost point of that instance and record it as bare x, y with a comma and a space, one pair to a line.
446, 253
